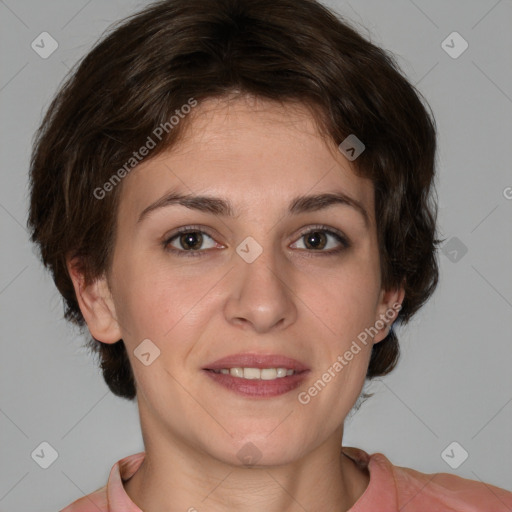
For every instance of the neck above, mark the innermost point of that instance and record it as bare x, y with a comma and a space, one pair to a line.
177, 477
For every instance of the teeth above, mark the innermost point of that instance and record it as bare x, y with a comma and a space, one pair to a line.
252, 373
257, 373
237, 372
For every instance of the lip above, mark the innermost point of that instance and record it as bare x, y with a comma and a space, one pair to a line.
252, 360
256, 388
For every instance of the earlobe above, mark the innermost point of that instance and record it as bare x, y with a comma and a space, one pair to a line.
96, 304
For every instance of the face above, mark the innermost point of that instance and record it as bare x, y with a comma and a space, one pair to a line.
252, 274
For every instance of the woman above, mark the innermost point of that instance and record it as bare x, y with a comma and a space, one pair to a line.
235, 197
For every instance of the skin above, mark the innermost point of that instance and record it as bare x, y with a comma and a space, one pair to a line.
293, 300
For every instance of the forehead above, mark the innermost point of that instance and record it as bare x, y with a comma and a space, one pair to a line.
255, 152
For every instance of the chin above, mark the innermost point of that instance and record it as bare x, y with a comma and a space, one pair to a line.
259, 450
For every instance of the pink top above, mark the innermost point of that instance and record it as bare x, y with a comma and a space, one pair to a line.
391, 488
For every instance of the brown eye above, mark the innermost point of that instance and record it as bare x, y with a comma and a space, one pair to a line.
192, 240
315, 240
189, 241
318, 239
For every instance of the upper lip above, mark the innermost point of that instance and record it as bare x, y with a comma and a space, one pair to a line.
252, 360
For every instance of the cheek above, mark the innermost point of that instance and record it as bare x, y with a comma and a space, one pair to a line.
345, 301
160, 301
157, 301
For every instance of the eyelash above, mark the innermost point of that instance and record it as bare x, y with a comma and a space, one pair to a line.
345, 244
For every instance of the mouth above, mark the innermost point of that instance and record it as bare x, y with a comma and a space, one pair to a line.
257, 375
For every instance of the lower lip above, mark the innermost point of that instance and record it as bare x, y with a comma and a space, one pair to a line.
257, 387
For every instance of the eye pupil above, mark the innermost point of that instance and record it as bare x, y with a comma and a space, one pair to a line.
191, 240
316, 239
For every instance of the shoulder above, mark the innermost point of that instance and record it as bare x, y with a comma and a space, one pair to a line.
95, 501
111, 497
442, 491
394, 488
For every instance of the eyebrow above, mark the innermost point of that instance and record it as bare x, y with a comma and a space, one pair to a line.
223, 207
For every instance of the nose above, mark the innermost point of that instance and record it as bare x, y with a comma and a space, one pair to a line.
261, 294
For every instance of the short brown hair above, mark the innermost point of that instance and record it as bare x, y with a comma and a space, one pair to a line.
152, 63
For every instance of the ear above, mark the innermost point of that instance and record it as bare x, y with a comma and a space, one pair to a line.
390, 302
96, 304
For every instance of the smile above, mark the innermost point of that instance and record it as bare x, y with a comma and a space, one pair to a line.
257, 373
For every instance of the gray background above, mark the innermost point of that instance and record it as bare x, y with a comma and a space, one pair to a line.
454, 381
